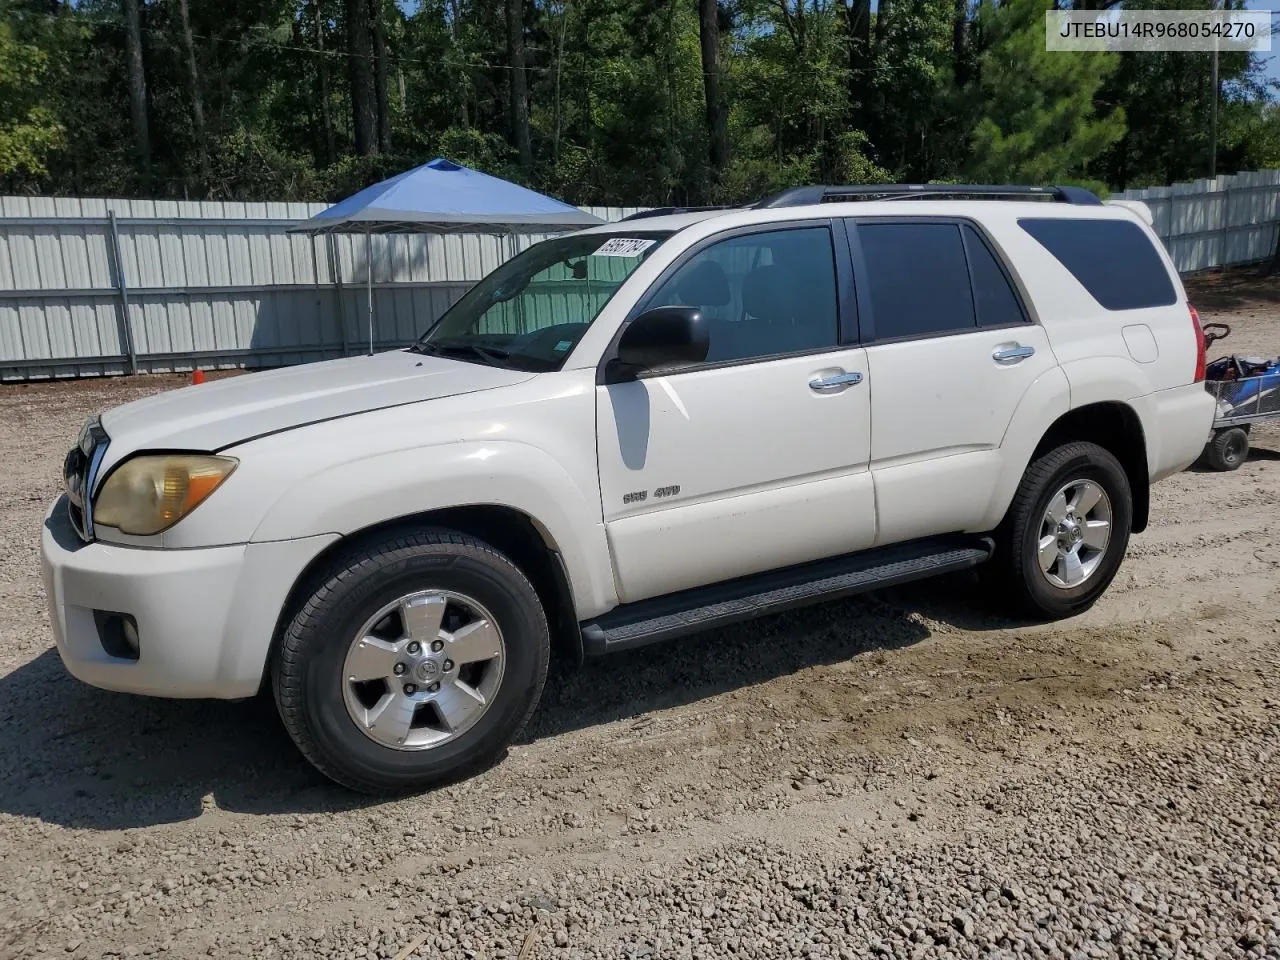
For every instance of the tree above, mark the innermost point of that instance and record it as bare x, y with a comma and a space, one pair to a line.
364, 108
917, 120
322, 77
197, 99
376, 14
454, 17
717, 116
1036, 120
558, 13
137, 86
857, 26
1170, 99
29, 131
518, 89
960, 42
596, 101
792, 104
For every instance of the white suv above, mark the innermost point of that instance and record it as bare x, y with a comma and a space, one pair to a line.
628, 434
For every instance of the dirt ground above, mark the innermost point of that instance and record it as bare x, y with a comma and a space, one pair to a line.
904, 774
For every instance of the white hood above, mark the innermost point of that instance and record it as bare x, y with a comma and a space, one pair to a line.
217, 414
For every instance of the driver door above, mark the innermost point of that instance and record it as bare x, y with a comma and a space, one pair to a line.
757, 458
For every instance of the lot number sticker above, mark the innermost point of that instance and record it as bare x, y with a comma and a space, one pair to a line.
624, 247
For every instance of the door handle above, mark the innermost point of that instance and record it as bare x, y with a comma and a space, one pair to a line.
1008, 354
835, 382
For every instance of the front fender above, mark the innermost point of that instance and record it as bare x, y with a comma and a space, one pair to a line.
352, 496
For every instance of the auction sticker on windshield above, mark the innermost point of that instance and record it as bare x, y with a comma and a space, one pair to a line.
623, 247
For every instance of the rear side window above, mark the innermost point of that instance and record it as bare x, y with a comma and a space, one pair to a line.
917, 278
993, 295
1113, 259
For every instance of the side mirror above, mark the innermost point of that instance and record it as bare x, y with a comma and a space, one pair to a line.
661, 337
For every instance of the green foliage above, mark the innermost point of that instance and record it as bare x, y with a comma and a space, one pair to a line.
1168, 119
917, 117
29, 130
845, 162
245, 166
1254, 135
943, 90
1037, 121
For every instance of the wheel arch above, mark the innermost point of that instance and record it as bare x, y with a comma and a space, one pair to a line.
1116, 427
521, 537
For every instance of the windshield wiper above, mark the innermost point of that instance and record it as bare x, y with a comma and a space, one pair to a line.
491, 354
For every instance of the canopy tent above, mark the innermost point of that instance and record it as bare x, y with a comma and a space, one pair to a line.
441, 197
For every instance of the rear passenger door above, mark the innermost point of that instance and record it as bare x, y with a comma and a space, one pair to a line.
950, 351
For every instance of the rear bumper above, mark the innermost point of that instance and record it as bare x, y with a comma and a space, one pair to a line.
205, 617
1177, 423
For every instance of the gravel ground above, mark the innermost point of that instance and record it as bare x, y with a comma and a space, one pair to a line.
903, 775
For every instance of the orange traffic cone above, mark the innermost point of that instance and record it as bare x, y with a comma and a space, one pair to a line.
197, 376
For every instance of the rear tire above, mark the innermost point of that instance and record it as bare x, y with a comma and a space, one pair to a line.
1228, 449
1065, 534
366, 681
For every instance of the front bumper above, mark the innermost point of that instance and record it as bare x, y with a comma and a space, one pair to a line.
205, 617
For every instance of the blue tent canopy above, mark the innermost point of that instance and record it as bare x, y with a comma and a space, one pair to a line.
444, 196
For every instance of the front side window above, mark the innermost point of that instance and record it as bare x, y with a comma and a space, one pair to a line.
917, 278
532, 311
763, 294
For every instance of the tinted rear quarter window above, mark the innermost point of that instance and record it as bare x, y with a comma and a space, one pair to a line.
993, 295
1113, 259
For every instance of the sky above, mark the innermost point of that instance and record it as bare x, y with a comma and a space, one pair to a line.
1273, 58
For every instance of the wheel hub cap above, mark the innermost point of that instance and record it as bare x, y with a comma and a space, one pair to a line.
423, 670
427, 670
1074, 533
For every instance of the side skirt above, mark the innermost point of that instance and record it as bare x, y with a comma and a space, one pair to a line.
689, 611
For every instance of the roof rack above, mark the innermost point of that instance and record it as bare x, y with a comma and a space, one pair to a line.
803, 196
667, 211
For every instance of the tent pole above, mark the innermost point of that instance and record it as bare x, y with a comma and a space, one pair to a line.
368, 256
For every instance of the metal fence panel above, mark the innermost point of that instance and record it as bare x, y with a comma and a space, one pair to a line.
224, 284
213, 284
1217, 222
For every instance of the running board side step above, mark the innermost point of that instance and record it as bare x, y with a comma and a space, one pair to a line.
689, 611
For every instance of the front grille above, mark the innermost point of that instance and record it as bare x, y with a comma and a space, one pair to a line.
80, 472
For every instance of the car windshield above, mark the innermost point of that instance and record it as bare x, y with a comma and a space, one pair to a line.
530, 312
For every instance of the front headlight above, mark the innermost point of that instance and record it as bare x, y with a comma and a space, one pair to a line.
149, 494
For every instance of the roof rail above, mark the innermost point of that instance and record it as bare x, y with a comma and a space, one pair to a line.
803, 196
667, 211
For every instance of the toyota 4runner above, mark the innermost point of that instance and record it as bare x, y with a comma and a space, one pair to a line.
628, 434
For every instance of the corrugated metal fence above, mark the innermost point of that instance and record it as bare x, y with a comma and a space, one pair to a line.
1214, 223
92, 287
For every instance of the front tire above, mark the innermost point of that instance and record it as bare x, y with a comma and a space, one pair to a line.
414, 662
1066, 532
